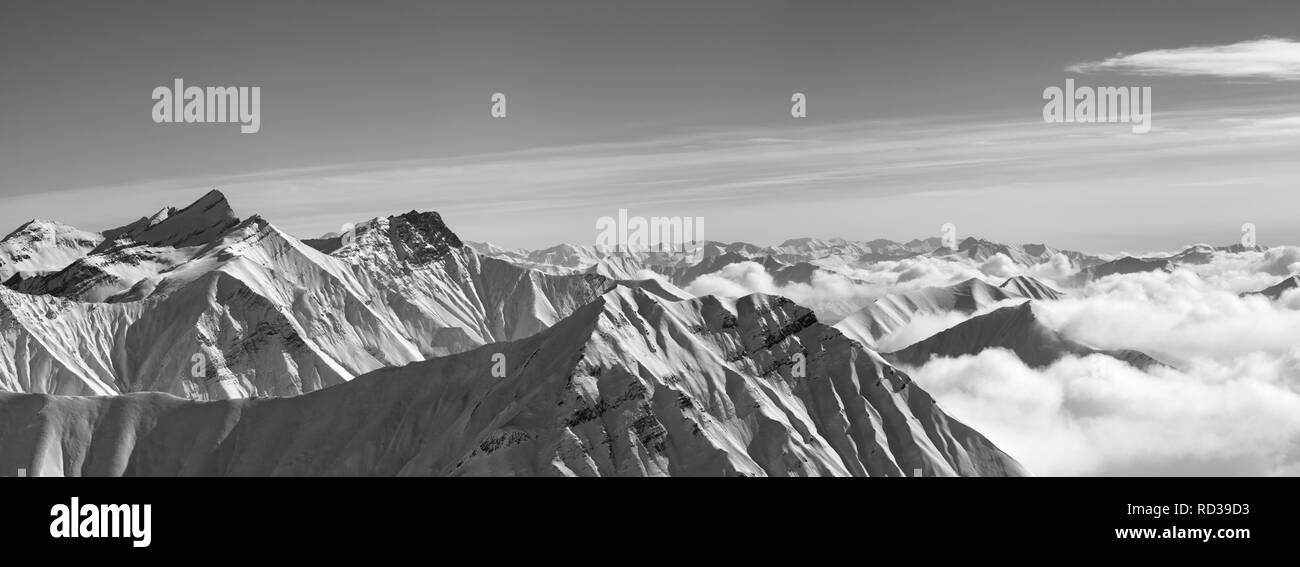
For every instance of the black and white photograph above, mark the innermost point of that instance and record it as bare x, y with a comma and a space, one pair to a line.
631, 238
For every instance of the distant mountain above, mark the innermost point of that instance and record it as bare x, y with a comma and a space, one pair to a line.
632, 384
1192, 255
1203, 253
823, 253
1032, 288
978, 251
894, 311
1128, 265
1015, 328
838, 251
40, 247
1275, 291
798, 260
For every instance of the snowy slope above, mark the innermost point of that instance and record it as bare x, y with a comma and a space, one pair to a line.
894, 311
633, 384
1032, 288
139, 252
41, 246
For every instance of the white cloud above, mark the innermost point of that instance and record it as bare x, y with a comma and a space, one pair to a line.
1000, 266
1276, 59
835, 292
1272, 126
920, 328
1099, 416
1229, 405
912, 176
829, 294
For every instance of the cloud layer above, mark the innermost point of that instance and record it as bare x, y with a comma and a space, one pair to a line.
1010, 178
1229, 404
1098, 416
1272, 59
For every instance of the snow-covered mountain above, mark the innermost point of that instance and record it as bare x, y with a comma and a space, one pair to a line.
1032, 288
131, 260
1203, 253
1128, 265
40, 247
798, 260
1015, 328
979, 250
850, 252
637, 382
1192, 255
198, 303
894, 311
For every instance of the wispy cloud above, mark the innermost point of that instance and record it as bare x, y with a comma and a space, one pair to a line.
1006, 177
1268, 58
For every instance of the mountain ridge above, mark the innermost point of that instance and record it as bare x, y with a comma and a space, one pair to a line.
609, 391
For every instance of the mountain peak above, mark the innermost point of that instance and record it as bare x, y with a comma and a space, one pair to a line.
1031, 287
430, 226
415, 237
1276, 290
36, 225
212, 197
198, 223
1016, 328
40, 246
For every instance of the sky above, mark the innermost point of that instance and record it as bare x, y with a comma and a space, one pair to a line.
919, 114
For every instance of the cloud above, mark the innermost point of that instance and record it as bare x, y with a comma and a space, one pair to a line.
1230, 405
921, 272
912, 175
1179, 317
1000, 266
1098, 416
1272, 126
1273, 59
922, 327
835, 292
831, 295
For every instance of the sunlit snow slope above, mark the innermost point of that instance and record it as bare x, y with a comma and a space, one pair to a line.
637, 382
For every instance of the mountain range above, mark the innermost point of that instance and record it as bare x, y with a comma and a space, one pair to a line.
194, 341
198, 303
793, 261
634, 383
211, 344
